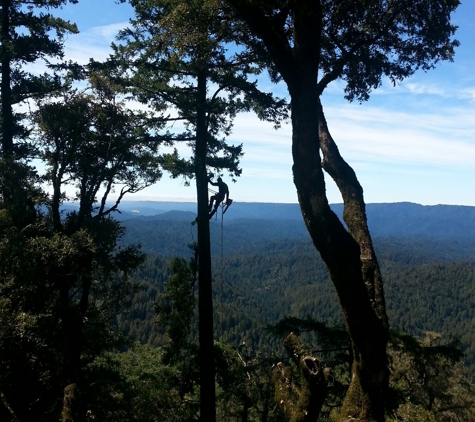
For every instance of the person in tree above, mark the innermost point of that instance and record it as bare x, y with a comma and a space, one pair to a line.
223, 192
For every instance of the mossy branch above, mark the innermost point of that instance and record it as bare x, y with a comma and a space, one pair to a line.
301, 401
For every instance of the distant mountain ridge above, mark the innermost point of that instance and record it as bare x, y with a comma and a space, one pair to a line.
391, 219
442, 232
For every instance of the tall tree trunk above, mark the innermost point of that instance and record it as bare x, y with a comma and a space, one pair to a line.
73, 316
205, 297
72, 334
6, 94
341, 252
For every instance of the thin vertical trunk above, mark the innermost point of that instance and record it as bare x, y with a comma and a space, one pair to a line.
73, 316
205, 298
6, 94
245, 411
56, 178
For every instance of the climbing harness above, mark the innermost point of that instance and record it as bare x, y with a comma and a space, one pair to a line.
224, 205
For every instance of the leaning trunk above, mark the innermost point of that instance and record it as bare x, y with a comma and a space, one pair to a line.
354, 214
342, 254
205, 298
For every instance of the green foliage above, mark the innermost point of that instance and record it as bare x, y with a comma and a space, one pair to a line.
58, 293
167, 46
176, 307
245, 388
63, 276
429, 376
149, 388
427, 281
362, 42
427, 381
410, 412
28, 33
255, 291
93, 141
19, 193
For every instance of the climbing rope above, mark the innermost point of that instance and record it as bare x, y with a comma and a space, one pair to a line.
222, 268
222, 235
223, 206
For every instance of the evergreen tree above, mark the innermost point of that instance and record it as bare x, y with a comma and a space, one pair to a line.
28, 34
64, 274
176, 53
26, 38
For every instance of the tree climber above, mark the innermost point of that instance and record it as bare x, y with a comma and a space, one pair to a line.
217, 198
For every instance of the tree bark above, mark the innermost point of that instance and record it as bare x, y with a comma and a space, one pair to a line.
71, 413
354, 214
341, 252
313, 382
205, 297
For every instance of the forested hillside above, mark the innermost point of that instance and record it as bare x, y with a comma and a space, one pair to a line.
268, 269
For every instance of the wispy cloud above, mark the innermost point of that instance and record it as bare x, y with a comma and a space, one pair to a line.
107, 32
92, 43
470, 93
366, 134
418, 88
382, 135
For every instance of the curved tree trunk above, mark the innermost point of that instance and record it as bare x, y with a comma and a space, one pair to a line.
348, 254
344, 252
354, 214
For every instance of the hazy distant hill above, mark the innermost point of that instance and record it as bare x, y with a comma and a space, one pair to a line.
402, 219
253, 222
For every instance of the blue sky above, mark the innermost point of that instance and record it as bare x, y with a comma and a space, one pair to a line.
413, 142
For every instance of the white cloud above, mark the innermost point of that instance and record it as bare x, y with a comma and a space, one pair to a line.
470, 93
418, 88
107, 33
92, 43
382, 135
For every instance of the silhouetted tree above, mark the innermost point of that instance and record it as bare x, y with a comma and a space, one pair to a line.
310, 44
176, 53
